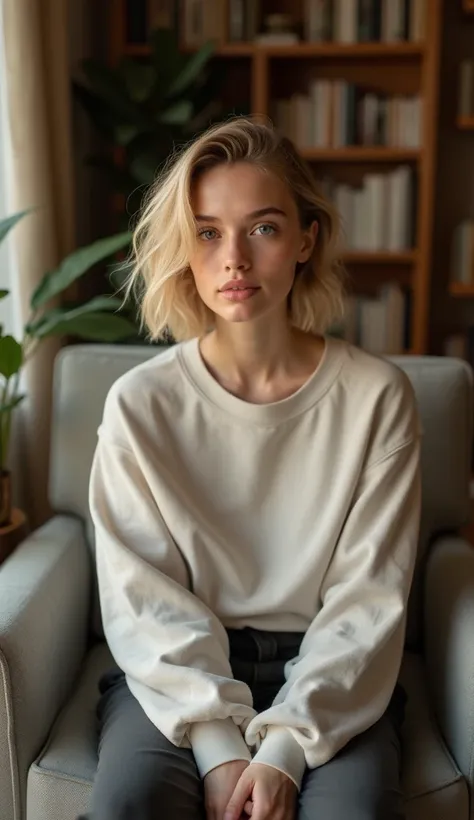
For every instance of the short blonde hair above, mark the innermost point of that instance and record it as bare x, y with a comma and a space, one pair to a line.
161, 278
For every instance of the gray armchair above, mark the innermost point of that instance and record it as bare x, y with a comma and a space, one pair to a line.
52, 650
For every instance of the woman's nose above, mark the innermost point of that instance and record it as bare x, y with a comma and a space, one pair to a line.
237, 255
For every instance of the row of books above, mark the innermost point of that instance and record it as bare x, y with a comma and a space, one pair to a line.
466, 89
336, 113
345, 21
379, 324
352, 21
462, 253
380, 214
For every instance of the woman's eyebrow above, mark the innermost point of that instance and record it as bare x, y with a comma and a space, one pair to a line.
252, 215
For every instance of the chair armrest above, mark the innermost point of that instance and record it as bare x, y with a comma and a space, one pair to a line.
44, 606
449, 645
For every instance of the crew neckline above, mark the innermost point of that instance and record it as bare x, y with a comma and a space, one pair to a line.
272, 413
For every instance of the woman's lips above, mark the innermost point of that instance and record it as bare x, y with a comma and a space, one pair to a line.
239, 295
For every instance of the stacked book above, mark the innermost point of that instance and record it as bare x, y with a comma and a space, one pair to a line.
462, 253
380, 214
336, 113
378, 324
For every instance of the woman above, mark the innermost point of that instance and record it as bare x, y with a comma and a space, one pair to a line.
256, 496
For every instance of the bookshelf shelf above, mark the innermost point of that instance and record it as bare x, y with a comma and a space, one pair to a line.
362, 153
462, 289
466, 123
353, 51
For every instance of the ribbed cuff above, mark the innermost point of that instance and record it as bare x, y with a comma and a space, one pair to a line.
280, 750
215, 742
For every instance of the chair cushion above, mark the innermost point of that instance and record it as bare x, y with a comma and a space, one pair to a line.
433, 786
60, 780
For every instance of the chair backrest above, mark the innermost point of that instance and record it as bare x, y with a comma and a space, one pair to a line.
444, 391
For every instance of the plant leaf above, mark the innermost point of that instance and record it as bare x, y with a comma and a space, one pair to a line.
192, 70
75, 265
102, 118
178, 113
11, 356
167, 58
47, 324
139, 78
7, 408
10, 221
4, 293
125, 133
100, 327
110, 87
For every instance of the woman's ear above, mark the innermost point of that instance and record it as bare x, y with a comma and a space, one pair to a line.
310, 236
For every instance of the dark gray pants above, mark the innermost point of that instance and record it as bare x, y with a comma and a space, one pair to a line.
142, 776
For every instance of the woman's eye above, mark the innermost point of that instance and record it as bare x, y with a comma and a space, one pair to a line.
266, 230
204, 234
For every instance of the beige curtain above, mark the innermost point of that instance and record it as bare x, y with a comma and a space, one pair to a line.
38, 99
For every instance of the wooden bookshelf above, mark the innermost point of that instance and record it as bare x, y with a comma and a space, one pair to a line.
463, 289
392, 68
466, 123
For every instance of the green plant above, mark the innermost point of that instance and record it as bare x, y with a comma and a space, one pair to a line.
94, 320
145, 107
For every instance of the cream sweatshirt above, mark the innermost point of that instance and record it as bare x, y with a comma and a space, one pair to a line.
301, 514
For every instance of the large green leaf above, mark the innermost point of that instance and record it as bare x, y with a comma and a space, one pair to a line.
99, 327
102, 117
7, 224
168, 59
178, 113
75, 265
192, 70
139, 78
126, 133
11, 356
45, 326
4, 293
111, 88
7, 408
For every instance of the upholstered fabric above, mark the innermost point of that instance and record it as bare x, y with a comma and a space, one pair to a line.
44, 600
48, 682
449, 644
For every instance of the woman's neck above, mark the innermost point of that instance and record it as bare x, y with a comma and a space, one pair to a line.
260, 364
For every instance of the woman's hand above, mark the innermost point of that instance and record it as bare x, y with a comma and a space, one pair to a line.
219, 785
264, 793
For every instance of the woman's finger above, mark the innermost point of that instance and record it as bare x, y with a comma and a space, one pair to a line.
237, 802
248, 808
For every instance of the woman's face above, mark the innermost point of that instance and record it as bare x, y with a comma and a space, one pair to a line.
249, 240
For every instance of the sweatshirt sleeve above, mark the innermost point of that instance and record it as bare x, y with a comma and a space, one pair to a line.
172, 648
343, 678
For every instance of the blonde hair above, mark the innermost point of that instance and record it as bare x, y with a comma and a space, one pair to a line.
161, 278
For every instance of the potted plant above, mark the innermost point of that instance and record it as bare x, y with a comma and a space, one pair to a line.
96, 320
145, 107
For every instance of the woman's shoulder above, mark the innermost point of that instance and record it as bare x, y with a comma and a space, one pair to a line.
138, 394
379, 387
